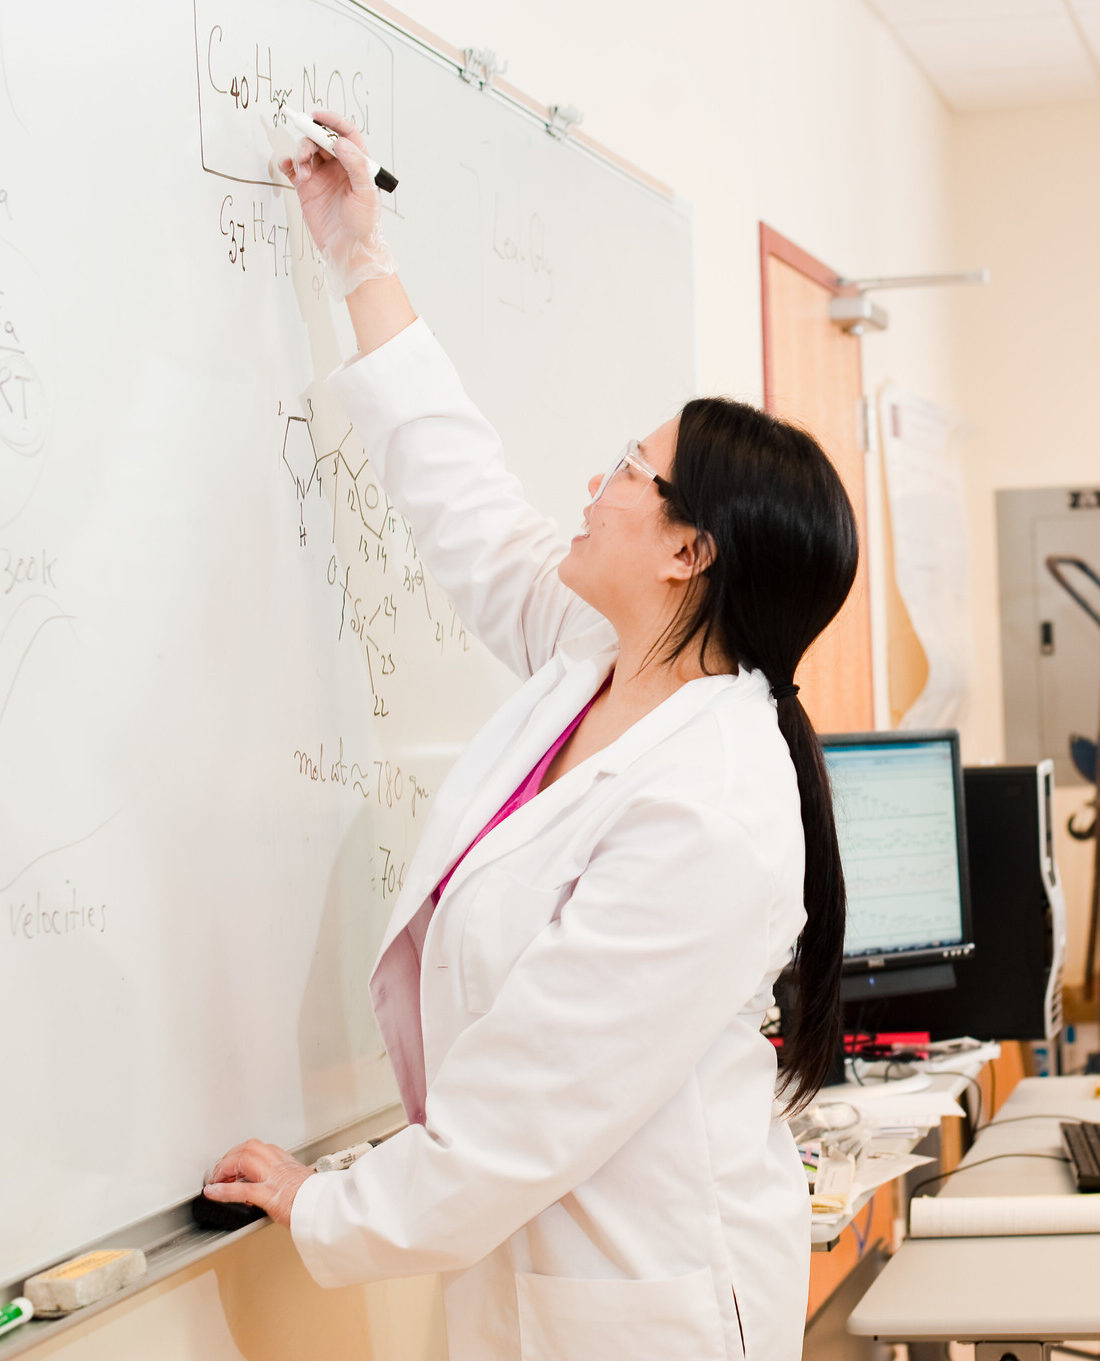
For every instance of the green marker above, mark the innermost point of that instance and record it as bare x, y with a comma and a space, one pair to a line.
12, 1315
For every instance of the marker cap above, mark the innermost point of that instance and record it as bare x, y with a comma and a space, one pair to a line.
15, 1312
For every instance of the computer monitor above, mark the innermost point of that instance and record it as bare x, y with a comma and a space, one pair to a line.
898, 801
1011, 987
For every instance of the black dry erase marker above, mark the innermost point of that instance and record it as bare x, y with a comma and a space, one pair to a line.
305, 126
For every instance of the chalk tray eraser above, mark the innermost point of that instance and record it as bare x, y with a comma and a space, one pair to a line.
223, 1214
83, 1280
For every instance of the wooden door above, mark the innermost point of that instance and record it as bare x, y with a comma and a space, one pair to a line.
812, 376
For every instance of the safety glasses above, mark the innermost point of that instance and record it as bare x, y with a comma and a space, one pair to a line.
625, 482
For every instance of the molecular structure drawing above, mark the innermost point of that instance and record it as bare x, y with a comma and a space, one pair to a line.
361, 493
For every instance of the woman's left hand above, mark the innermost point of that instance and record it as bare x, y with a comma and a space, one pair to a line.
258, 1174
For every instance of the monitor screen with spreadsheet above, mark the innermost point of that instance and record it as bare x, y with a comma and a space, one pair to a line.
900, 823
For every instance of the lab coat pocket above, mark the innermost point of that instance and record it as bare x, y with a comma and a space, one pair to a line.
566, 1319
504, 918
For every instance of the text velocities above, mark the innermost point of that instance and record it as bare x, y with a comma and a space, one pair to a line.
43, 916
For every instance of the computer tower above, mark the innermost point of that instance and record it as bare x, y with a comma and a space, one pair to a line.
1011, 987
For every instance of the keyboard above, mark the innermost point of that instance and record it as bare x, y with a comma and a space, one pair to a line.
1082, 1143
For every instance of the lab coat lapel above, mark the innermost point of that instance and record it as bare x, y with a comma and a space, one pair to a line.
493, 769
527, 822
575, 686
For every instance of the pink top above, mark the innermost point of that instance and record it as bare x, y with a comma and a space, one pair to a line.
404, 1016
526, 791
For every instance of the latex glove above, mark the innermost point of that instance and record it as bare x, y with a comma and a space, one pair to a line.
341, 205
258, 1174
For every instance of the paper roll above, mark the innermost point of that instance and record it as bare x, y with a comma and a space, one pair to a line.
997, 1216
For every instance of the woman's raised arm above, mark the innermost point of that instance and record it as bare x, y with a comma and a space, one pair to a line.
438, 458
342, 208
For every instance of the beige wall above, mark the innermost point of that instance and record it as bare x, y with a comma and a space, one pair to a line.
1026, 198
803, 113
1026, 190
256, 1302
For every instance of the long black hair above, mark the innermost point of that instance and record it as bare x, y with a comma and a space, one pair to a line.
785, 549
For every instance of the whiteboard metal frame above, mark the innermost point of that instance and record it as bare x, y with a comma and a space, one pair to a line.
446, 54
172, 1241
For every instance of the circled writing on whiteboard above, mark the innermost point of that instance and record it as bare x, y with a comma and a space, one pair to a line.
22, 409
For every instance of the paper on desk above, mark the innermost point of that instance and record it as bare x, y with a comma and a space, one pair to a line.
873, 1169
884, 1109
937, 1062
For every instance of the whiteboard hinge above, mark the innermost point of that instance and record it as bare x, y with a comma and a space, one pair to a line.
563, 118
866, 429
481, 66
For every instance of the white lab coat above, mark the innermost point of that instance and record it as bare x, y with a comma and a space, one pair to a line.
598, 1174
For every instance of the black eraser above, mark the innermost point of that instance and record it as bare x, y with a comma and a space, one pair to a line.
385, 181
223, 1214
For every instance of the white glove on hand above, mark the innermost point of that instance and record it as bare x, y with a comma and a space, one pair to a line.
258, 1174
341, 205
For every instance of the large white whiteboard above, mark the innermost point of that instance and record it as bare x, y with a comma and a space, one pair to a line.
227, 688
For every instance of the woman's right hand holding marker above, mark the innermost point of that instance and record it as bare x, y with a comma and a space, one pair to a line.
341, 205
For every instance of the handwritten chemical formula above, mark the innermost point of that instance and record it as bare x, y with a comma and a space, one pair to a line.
386, 604
249, 66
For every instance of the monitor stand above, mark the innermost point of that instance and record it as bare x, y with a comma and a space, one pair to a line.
865, 987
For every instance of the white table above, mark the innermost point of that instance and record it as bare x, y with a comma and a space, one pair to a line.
1019, 1293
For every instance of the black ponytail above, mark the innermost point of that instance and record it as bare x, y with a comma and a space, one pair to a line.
812, 1033
785, 554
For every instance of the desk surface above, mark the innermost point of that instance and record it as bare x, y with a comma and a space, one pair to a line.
1040, 1287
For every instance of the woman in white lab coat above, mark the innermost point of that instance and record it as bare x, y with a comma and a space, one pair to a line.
572, 999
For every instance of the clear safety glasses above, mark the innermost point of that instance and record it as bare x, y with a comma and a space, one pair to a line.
625, 481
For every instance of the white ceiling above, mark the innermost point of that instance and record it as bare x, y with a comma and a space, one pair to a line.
998, 54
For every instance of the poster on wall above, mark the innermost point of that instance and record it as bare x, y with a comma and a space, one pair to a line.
924, 485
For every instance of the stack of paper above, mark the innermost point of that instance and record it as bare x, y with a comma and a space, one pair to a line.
885, 1110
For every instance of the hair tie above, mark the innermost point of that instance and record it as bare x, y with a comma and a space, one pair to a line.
784, 691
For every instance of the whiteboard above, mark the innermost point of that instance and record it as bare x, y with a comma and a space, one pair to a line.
228, 688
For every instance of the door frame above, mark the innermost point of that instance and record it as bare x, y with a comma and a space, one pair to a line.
774, 245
